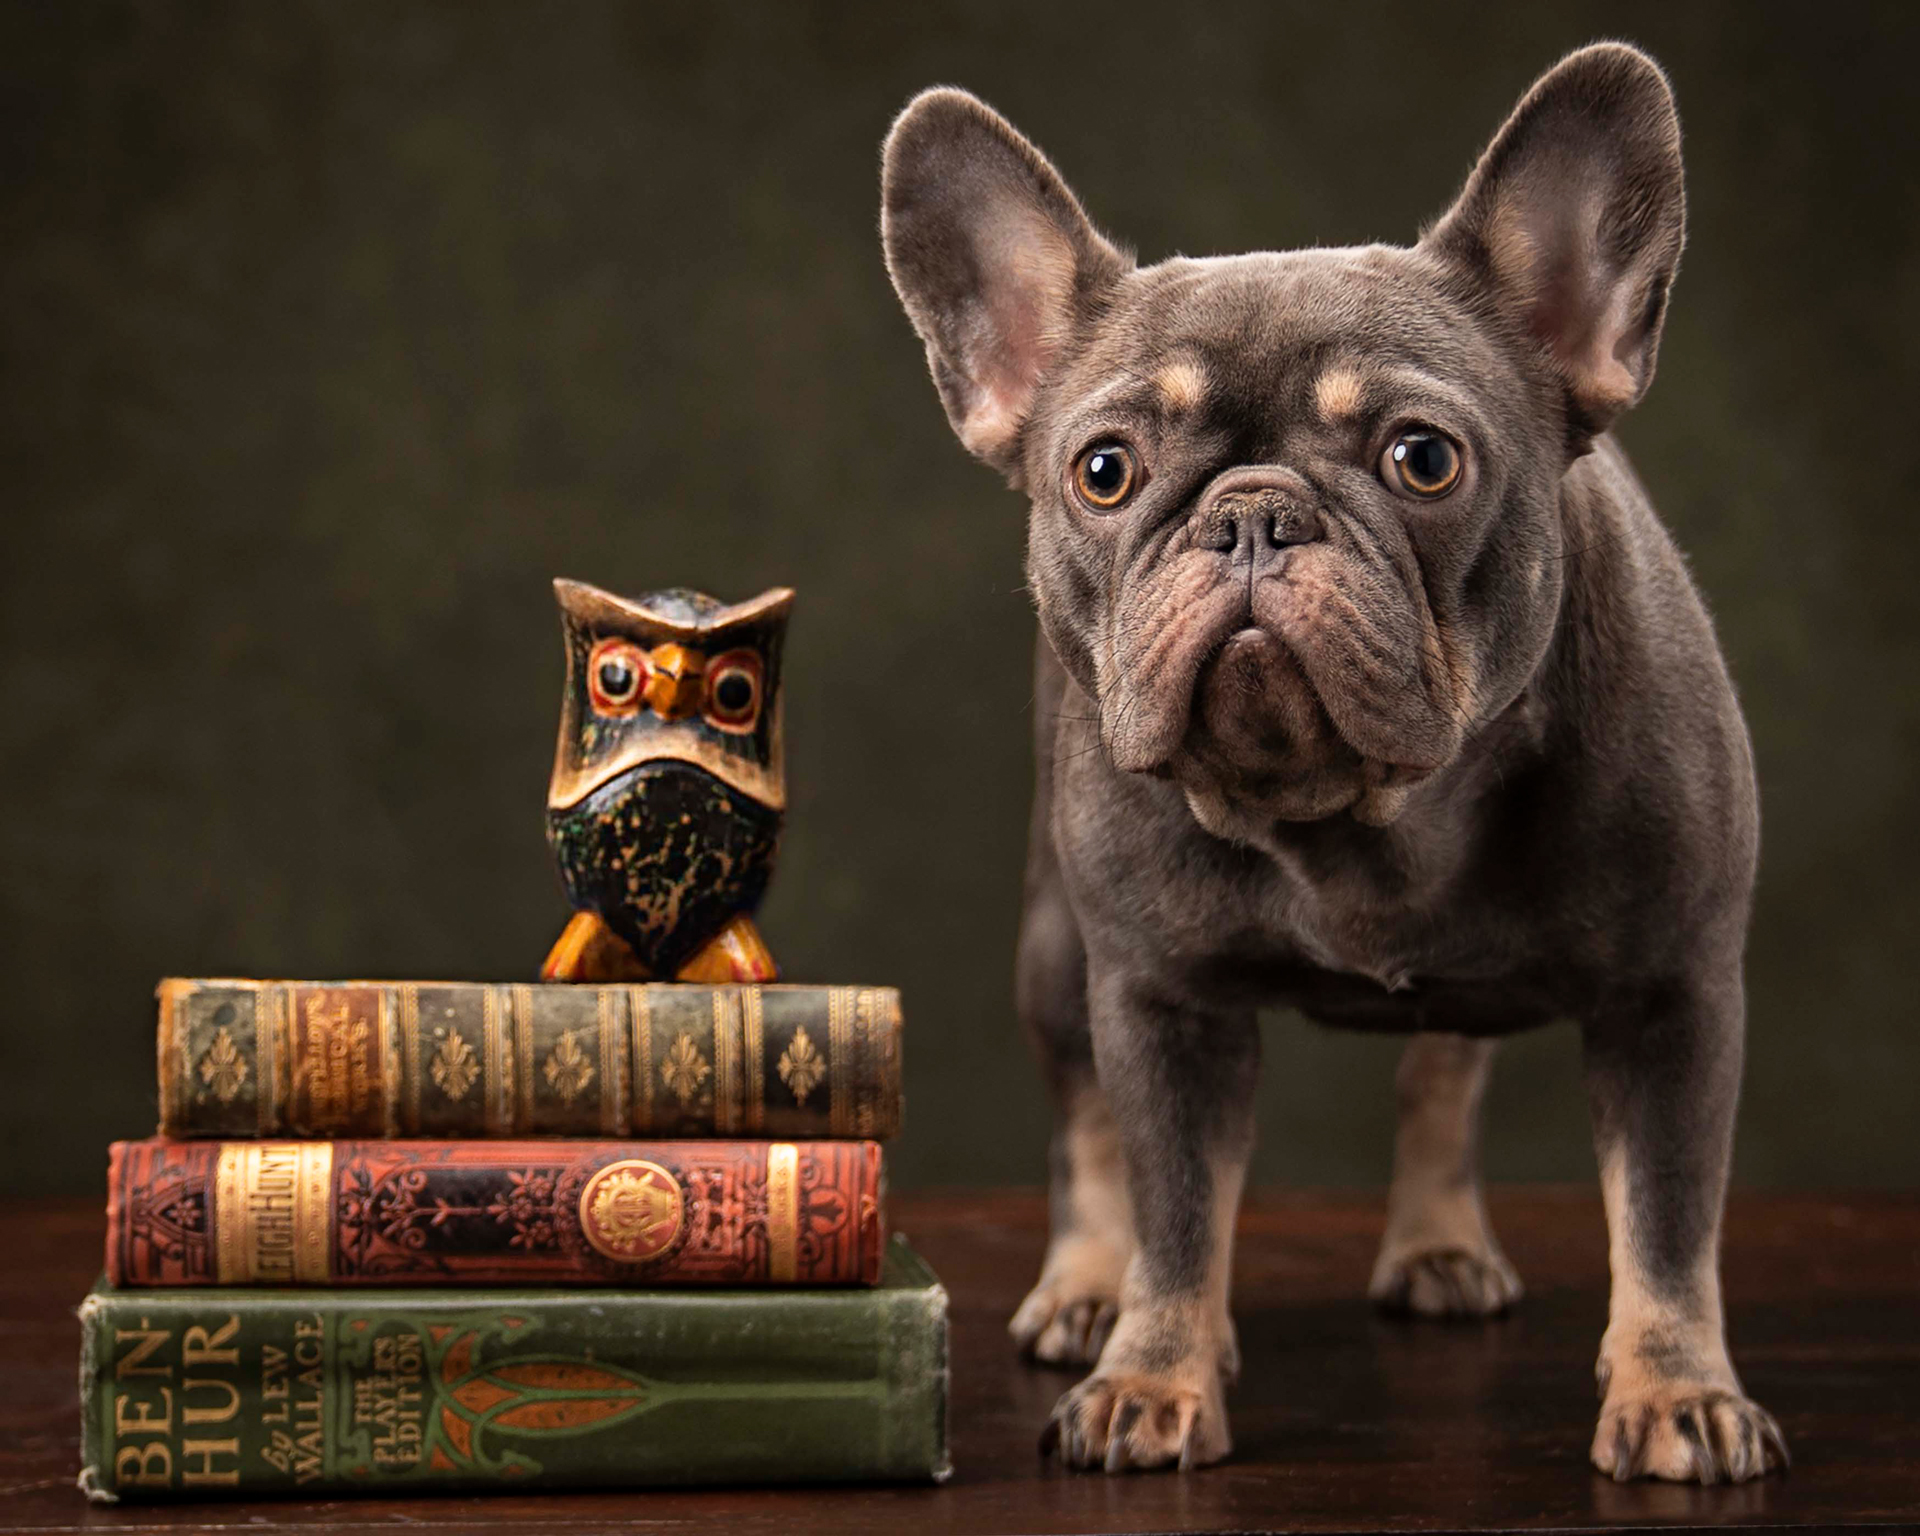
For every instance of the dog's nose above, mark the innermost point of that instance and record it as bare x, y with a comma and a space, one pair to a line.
1250, 514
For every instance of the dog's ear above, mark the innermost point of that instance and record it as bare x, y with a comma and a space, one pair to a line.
1575, 217
992, 257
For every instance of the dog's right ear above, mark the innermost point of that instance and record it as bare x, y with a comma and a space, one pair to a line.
992, 257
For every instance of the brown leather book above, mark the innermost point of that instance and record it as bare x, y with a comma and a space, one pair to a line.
533, 1212
404, 1058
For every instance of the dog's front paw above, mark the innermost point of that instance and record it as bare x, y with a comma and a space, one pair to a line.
1060, 1327
1072, 1308
1687, 1432
1445, 1282
1136, 1419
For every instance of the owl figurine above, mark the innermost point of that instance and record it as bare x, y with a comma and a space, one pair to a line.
668, 784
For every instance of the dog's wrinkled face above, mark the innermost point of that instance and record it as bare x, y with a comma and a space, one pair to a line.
1296, 524
1326, 543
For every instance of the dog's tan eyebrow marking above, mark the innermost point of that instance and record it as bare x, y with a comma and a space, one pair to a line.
1337, 392
1182, 384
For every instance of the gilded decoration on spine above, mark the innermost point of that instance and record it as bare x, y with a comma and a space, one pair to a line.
839, 1050
271, 1057
801, 1068
222, 1068
410, 1044
389, 1075
498, 1107
753, 1055
640, 1015
454, 1067
568, 1072
726, 1074
273, 1213
783, 1213
522, 1014
613, 1098
685, 1069
632, 1211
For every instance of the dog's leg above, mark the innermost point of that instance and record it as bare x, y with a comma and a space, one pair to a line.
1068, 1314
1071, 1309
1663, 1088
1180, 1086
1439, 1257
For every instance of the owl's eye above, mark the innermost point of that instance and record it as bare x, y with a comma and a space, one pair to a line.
616, 673
1106, 475
733, 690
1422, 463
617, 677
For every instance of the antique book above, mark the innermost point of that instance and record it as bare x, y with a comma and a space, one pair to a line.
502, 1212
193, 1394
403, 1058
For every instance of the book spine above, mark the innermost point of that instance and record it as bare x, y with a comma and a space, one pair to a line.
546, 1212
289, 1058
204, 1394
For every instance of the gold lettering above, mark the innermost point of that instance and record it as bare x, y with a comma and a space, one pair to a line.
141, 1421
133, 1466
389, 1401
206, 1450
274, 1385
192, 1415
338, 1066
150, 1340
270, 1211
198, 1347
272, 1199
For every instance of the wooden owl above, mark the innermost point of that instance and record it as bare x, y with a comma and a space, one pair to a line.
668, 786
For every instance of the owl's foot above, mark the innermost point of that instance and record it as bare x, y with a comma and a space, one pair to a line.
735, 953
588, 950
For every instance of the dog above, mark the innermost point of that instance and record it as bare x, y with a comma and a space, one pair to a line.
1368, 683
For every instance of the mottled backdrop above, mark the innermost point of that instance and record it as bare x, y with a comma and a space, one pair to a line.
329, 333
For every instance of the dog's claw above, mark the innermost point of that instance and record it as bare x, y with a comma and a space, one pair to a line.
1126, 1420
1689, 1434
1057, 1328
1777, 1453
1189, 1417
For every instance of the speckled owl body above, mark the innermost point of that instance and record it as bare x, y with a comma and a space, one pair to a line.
668, 788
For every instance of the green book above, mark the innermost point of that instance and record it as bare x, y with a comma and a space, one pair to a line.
195, 1394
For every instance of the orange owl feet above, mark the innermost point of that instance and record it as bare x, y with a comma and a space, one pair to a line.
588, 950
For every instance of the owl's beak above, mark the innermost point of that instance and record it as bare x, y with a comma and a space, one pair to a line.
676, 678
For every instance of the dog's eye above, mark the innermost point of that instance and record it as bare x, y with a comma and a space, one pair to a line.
1105, 475
1422, 463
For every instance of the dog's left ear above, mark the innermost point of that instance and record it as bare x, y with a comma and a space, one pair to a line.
1575, 217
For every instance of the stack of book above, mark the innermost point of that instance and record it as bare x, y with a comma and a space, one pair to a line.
458, 1235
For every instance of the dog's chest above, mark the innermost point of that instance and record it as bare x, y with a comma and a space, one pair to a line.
1345, 952
1350, 922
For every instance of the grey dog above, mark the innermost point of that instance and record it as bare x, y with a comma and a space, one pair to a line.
1369, 683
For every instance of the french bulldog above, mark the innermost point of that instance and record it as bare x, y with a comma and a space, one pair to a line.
1369, 683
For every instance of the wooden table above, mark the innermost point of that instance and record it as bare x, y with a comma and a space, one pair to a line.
1344, 1421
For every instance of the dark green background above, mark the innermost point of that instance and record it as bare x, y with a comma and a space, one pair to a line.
332, 332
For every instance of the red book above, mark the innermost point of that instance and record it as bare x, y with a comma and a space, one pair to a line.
545, 1212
